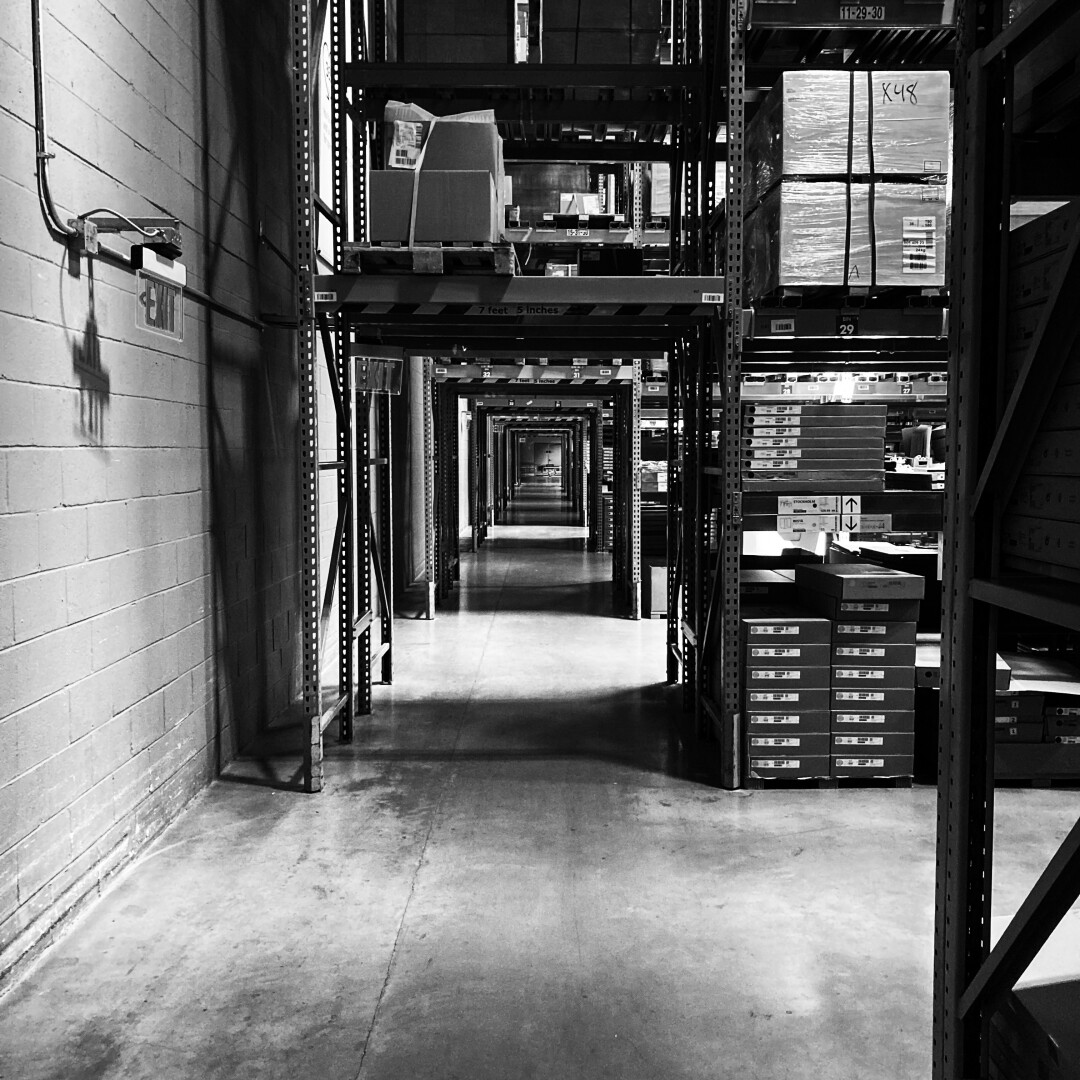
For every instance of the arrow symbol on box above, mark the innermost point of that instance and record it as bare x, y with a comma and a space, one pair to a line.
851, 504
851, 524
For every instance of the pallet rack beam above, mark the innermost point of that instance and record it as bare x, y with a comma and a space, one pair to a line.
559, 77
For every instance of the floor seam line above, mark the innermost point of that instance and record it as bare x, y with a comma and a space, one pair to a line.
398, 934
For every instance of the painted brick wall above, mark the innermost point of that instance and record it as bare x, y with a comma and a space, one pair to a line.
148, 556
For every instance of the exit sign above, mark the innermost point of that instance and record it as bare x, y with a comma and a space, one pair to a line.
159, 306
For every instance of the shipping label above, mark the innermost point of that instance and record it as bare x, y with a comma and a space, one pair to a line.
775, 629
758, 454
806, 504
770, 741
919, 247
773, 698
860, 695
860, 763
756, 443
775, 718
860, 740
860, 673
408, 141
776, 652
866, 628
859, 650
772, 432
852, 605
805, 524
775, 763
792, 674
860, 718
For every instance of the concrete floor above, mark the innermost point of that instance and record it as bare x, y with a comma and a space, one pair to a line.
507, 877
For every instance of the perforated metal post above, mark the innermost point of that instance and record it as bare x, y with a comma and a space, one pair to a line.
429, 489
635, 493
308, 404
349, 573
674, 519
730, 365
384, 444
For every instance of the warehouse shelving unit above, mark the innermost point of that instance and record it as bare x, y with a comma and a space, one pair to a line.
897, 342
626, 114
1016, 106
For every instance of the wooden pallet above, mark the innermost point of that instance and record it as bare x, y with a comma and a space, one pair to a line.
450, 258
759, 783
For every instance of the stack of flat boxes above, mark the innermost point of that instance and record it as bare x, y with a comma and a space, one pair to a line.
833, 447
872, 612
786, 693
1062, 718
1018, 717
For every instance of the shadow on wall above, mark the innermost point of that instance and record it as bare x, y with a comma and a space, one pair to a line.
93, 378
247, 187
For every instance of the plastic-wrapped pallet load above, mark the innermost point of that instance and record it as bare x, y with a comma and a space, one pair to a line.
849, 123
848, 184
829, 232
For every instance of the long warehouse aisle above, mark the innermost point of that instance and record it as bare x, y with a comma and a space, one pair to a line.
505, 878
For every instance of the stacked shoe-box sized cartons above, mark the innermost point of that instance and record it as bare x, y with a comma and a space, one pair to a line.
872, 611
1062, 717
786, 692
821, 448
1018, 717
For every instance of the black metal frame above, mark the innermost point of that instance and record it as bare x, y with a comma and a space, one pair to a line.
989, 439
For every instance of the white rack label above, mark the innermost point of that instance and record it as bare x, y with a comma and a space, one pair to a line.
806, 504
782, 326
800, 524
712, 297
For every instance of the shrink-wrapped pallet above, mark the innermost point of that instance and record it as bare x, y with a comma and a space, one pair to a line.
849, 123
834, 233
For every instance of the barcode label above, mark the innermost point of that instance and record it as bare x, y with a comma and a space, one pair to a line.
775, 652
770, 673
847, 628
860, 740
775, 698
860, 763
775, 763
860, 718
774, 718
851, 605
774, 628
860, 695
860, 673
852, 650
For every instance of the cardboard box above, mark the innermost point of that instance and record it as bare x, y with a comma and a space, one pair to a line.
450, 206
1019, 707
878, 699
783, 723
869, 766
859, 581
789, 744
876, 743
809, 678
878, 677
801, 699
826, 233
836, 122
789, 768
1011, 731
846, 722
873, 633
782, 626
457, 48
774, 654
1060, 727
889, 655
765, 586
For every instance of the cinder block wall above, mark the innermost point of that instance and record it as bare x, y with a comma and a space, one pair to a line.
148, 558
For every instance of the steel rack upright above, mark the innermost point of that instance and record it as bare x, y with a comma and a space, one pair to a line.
1016, 107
